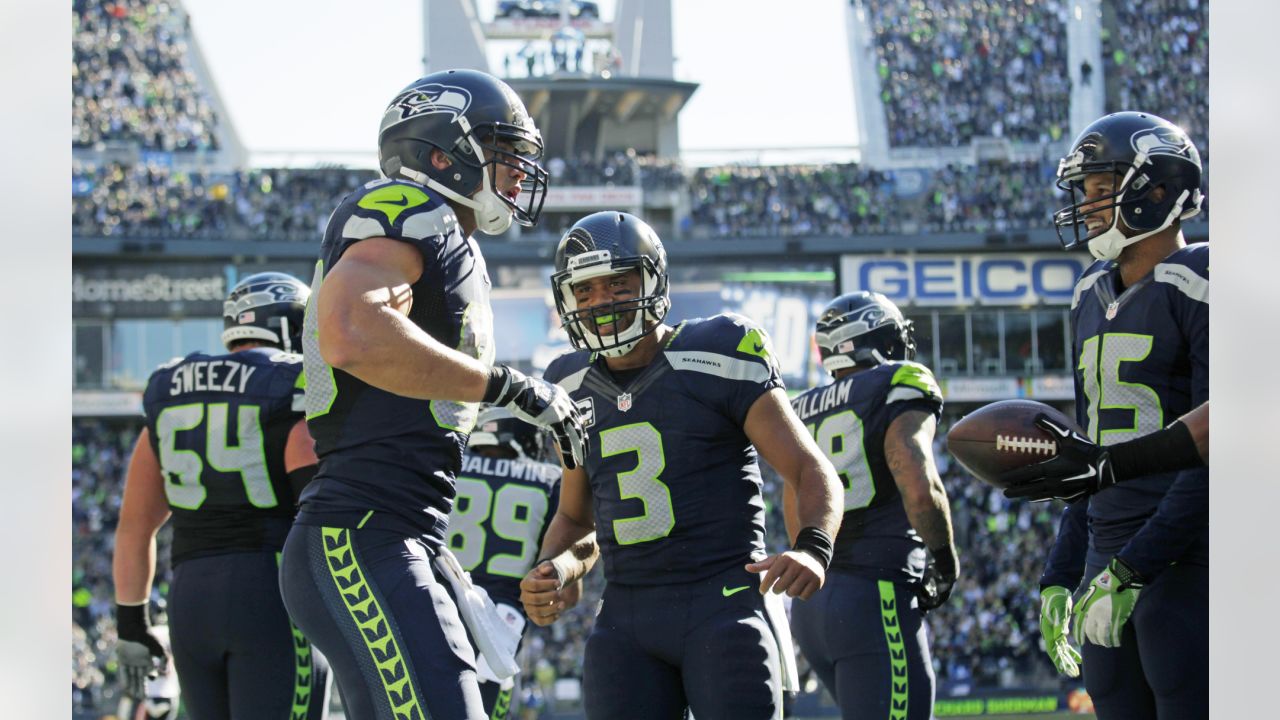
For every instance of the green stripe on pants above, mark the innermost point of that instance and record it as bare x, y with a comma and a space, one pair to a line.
502, 706
897, 651
374, 627
302, 668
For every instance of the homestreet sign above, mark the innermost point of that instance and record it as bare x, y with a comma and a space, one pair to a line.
149, 290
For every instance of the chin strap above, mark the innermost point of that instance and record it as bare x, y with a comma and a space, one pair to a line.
1111, 243
493, 216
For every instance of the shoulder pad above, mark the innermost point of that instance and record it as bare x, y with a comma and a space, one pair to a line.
395, 209
567, 369
727, 345
912, 381
1087, 279
728, 333
171, 362
1187, 270
1194, 256
288, 358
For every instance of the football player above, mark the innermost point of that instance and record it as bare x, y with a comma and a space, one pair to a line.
672, 487
399, 346
1140, 323
225, 452
894, 560
506, 492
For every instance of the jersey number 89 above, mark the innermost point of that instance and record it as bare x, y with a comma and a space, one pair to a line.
514, 512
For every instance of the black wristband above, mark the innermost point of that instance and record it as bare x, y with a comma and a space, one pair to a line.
1125, 573
298, 479
816, 542
946, 562
498, 377
1165, 450
132, 621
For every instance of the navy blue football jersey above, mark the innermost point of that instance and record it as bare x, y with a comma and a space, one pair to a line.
849, 419
389, 461
675, 482
219, 425
499, 516
1142, 360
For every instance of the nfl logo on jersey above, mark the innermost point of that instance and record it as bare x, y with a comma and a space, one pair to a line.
624, 402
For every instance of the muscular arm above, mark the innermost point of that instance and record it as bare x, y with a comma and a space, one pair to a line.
908, 450
811, 493
362, 310
811, 479
143, 510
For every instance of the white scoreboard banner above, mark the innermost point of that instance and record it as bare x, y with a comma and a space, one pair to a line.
957, 280
626, 197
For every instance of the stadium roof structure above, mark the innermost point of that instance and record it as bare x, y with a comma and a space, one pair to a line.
593, 113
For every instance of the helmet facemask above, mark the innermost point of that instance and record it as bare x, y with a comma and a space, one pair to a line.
1137, 210
479, 123
630, 320
494, 211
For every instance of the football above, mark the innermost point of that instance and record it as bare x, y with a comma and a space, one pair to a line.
1003, 436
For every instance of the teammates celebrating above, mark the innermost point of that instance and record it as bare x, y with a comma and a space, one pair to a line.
659, 430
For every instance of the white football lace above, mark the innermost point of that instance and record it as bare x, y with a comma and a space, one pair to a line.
1034, 446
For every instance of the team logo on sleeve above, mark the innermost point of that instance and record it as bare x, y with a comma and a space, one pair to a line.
433, 98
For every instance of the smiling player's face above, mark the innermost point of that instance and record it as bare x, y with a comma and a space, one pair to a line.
605, 290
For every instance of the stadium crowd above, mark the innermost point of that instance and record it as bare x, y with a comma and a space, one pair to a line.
847, 199
987, 635
953, 71
99, 457
1156, 57
155, 200
131, 79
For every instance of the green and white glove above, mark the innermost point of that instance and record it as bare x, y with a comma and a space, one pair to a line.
1055, 619
1107, 605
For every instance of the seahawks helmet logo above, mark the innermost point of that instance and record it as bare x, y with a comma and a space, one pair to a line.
869, 317
433, 98
1169, 141
237, 305
285, 292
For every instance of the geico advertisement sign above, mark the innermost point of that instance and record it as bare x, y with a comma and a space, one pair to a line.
152, 287
964, 279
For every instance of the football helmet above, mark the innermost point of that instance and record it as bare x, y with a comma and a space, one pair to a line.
463, 113
266, 307
608, 243
863, 329
1144, 153
497, 427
